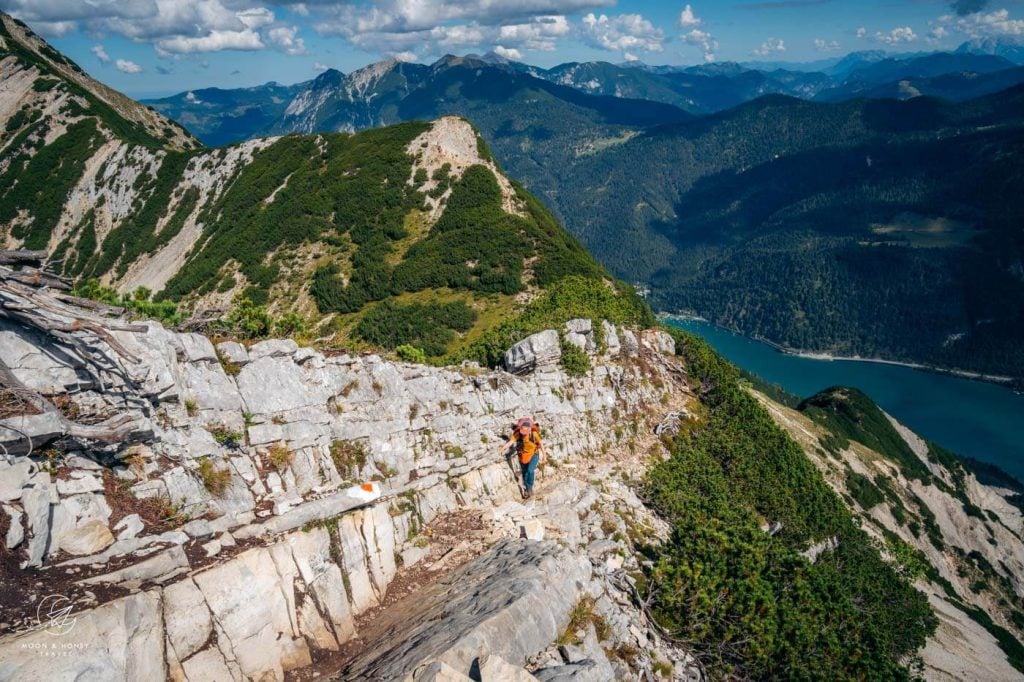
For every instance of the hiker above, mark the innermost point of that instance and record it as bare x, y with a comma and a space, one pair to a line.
526, 438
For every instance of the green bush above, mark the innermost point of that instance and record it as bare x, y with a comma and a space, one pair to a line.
290, 324
863, 490
430, 327
138, 303
248, 320
411, 354
575, 360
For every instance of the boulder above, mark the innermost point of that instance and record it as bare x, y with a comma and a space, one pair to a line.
255, 613
532, 529
186, 618
79, 482
89, 538
233, 352
157, 568
13, 478
660, 341
273, 348
129, 527
196, 348
534, 352
580, 333
440, 672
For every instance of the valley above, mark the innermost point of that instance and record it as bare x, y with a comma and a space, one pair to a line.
254, 396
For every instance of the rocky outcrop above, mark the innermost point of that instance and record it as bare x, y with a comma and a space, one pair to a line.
538, 351
279, 491
511, 602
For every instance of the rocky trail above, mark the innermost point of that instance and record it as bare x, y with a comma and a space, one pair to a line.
276, 511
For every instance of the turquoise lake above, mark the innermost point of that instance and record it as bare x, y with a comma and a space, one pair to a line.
973, 418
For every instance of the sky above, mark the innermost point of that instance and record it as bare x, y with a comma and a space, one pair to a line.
156, 47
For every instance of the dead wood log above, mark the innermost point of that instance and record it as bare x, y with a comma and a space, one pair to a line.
22, 257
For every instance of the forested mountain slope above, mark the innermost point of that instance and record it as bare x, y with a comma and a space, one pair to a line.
409, 235
956, 532
877, 228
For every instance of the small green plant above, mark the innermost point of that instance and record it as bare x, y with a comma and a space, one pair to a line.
191, 407
291, 324
248, 320
662, 668
582, 612
216, 480
410, 353
224, 435
279, 456
230, 368
627, 653
249, 418
349, 456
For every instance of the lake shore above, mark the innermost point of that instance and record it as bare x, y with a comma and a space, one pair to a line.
816, 355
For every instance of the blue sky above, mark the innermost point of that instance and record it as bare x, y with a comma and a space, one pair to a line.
146, 47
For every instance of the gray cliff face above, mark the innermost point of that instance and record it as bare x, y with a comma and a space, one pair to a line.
293, 488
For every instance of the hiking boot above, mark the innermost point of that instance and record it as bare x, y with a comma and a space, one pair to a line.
528, 494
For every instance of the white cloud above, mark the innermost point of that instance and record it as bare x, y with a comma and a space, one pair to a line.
769, 47
902, 34
704, 40
405, 56
622, 33
191, 98
510, 53
286, 39
995, 24
862, 32
320, 66
542, 33
822, 45
687, 18
214, 41
172, 26
939, 32
101, 54
127, 66
411, 16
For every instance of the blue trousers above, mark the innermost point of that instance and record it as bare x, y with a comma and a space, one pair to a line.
529, 471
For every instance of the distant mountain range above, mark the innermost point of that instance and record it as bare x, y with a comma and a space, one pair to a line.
391, 91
